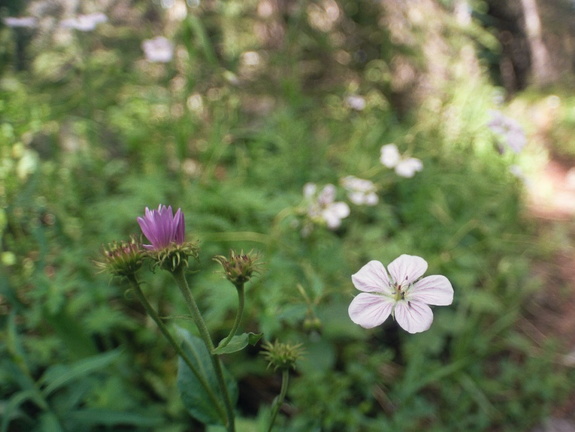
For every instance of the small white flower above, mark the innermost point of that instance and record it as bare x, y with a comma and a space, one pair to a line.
322, 207
401, 293
356, 102
360, 191
158, 49
408, 167
24, 22
84, 22
508, 130
391, 158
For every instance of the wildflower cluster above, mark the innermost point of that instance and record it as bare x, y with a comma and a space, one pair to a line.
83, 23
321, 207
167, 249
158, 49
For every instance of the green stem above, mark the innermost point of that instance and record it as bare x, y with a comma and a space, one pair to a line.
239, 314
179, 276
164, 330
278, 401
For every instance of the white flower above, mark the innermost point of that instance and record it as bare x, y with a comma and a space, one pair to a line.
25, 22
400, 293
322, 207
404, 167
355, 102
84, 22
408, 167
158, 49
508, 130
360, 191
390, 156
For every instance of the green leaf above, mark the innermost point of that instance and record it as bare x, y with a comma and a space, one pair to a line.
193, 394
59, 375
238, 343
10, 409
97, 416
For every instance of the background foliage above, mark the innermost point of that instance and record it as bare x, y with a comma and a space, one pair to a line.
254, 104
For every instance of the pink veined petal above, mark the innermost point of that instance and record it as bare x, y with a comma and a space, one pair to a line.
148, 228
434, 290
413, 316
180, 227
407, 268
372, 277
370, 310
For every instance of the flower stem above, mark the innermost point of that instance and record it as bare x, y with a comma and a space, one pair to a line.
164, 330
180, 278
278, 401
239, 314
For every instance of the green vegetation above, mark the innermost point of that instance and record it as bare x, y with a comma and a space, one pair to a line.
250, 109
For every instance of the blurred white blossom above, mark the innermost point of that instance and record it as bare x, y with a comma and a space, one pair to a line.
158, 49
360, 191
26, 22
404, 167
508, 130
356, 102
84, 22
322, 207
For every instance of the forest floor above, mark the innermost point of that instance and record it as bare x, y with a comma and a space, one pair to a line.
551, 312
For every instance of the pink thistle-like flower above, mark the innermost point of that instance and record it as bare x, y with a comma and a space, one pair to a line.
400, 293
162, 228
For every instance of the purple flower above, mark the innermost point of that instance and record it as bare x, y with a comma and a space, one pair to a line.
162, 228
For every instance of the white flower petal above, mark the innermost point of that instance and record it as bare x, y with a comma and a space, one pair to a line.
309, 190
370, 310
372, 277
371, 199
327, 195
413, 316
433, 290
407, 268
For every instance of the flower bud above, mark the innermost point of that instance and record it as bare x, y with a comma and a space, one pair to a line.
281, 356
122, 259
239, 268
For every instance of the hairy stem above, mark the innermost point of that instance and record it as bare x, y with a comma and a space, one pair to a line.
239, 314
180, 278
164, 330
278, 401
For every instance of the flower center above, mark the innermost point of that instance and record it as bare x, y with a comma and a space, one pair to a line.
399, 291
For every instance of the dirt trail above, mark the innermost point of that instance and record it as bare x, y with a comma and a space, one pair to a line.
551, 313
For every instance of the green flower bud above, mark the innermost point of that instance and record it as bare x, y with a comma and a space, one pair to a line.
239, 268
122, 258
281, 356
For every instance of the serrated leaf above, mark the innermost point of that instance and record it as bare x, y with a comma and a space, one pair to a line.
194, 396
238, 343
